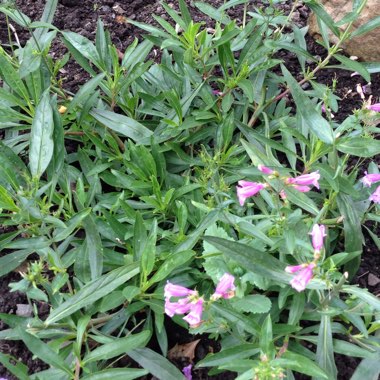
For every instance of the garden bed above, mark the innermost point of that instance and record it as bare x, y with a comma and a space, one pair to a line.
81, 18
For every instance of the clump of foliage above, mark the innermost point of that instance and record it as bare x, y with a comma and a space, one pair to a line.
113, 191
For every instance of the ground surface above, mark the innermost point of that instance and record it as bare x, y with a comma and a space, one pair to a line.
81, 17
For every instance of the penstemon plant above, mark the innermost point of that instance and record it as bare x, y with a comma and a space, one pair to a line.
188, 188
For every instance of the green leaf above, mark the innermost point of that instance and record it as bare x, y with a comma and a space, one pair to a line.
324, 16
353, 236
149, 252
300, 364
13, 260
6, 201
253, 260
47, 17
43, 351
120, 346
156, 364
85, 92
175, 260
41, 137
117, 374
297, 308
266, 336
12, 78
75, 222
84, 47
123, 124
236, 317
364, 295
213, 13
367, 27
241, 351
325, 350
12, 168
94, 291
349, 349
354, 66
252, 304
19, 369
368, 369
94, 246
313, 119
359, 146
214, 263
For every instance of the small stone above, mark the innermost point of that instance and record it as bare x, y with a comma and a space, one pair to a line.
69, 3
118, 9
24, 310
373, 280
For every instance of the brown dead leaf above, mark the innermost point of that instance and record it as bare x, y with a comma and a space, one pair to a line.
119, 54
183, 350
121, 19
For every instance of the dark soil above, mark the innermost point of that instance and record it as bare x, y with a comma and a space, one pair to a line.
81, 17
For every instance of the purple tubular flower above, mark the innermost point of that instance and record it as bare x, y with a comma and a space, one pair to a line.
294, 268
302, 189
187, 372
317, 234
374, 107
194, 318
306, 179
303, 277
265, 169
225, 288
248, 189
181, 307
369, 179
172, 290
375, 197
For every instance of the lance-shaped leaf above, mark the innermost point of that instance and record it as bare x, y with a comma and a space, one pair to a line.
123, 124
41, 137
313, 119
93, 291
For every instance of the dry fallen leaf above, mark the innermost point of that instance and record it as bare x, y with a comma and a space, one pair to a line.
183, 350
121, 19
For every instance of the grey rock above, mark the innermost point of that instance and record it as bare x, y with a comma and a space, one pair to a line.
366, 46
373, 280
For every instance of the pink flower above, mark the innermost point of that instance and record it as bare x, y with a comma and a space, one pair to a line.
172, 290
248, 189
187, 372
181, 307
323, 108
190, 303
374, 107
225, 288
317, 234
302, 189
306, 179
369, 179
194, 318
217, 92
304, 275
294, 268
283, 194
264, 169
375, 197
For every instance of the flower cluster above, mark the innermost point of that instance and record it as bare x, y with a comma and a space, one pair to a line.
367, 181
190, 302
304, 272
301, 183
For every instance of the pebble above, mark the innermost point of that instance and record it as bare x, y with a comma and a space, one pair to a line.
373, 280
24, 310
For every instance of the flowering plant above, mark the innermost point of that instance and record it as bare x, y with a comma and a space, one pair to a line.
193, 181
